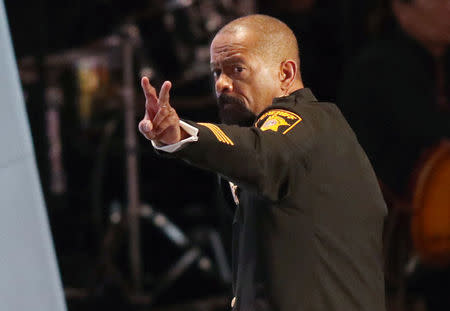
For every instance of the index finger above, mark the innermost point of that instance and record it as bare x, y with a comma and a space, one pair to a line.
149, 90
151, 102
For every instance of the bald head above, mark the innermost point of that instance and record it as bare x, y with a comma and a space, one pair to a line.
254, 59
272, 38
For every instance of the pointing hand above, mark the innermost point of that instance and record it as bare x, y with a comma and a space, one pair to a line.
161, 122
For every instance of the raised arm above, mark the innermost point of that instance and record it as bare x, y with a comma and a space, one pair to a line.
260, 157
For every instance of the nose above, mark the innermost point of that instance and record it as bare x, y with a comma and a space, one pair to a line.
223, 84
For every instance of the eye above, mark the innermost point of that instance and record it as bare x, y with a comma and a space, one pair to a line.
238, 69
216, 73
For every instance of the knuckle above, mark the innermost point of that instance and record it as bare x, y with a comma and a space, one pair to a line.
167, 122
162, 115
162, 125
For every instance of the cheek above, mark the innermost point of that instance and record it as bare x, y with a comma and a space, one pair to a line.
258, 90
267, 85
261, 98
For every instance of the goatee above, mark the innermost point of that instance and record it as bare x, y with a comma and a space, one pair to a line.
232, 110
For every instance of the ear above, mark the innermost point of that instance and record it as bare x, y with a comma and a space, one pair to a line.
287, 75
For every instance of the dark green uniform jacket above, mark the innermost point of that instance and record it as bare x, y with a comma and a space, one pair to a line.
307, 230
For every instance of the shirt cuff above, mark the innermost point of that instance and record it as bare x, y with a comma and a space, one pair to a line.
191, 130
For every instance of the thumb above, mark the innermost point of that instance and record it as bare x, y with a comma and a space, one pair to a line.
146, 127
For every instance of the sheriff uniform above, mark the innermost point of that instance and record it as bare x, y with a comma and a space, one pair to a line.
307, 230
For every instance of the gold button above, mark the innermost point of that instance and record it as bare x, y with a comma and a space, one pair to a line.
233, 302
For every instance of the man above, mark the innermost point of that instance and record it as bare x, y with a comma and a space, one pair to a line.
309, 216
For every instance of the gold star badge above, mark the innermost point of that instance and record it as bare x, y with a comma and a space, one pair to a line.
278, 120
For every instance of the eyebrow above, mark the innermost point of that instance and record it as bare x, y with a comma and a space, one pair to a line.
228, 60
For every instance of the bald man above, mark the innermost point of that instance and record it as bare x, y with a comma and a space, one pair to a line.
309, 213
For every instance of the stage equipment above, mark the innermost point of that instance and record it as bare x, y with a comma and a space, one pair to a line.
202, 249
417, 230
430, 222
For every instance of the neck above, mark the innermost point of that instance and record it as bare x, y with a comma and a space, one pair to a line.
297, 85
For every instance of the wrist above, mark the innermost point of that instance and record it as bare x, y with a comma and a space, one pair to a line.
183, 134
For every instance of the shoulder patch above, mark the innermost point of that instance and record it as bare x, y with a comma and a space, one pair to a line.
217, 131
278, 120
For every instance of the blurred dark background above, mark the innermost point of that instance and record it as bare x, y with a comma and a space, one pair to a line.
384, 62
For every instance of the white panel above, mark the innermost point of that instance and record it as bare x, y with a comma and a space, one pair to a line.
14, 138
29, 276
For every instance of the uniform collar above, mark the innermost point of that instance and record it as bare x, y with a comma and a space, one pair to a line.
300, 96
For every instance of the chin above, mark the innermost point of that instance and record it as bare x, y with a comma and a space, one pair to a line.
234, 111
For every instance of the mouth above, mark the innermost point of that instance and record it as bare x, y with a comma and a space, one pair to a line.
230, 102
227, 106
232, 110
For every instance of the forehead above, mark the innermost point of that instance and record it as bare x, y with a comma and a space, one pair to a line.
232, 45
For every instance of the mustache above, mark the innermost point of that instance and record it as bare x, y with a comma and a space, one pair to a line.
237, 113
224, 99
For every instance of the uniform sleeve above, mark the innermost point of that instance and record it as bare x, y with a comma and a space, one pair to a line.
262, 158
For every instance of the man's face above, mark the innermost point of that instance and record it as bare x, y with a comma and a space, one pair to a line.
245, 81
